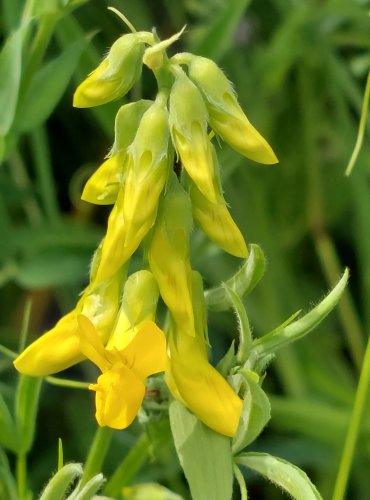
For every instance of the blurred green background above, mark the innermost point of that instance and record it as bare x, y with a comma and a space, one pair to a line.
299, 68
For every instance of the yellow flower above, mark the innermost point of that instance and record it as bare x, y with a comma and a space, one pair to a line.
168, 255
103, 186
136, 208
193, 380
188, 125
199, 386
115, 75
59, 348
120, 389
225, 114
215, 218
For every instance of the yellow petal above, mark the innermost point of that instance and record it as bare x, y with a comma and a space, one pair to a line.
203, 389
91, 345
119, 394
146, 353
54, 351
103, 186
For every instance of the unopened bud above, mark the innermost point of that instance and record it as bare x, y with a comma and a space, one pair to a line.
115, 75
188, 124
225, 114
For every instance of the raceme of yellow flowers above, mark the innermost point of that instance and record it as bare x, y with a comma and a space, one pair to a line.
113, 323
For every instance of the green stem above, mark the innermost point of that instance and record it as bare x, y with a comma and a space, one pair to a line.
129, 466
353, 429
97, 453
21, 473
241, 481
42, 164
62, 382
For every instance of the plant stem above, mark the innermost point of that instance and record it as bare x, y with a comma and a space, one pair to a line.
21, 473
241, 481
97, 453
353, 429
129, 466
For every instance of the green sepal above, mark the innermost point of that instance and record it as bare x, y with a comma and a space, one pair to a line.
88, 490
285, 475
270, 343
27, 399
245, 334
255, 414
205, 455
228, 361
242, 282
8, 434
58, 485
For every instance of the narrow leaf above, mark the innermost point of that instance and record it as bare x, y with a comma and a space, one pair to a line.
270, 343
255, 415
10, 70
8, 437
242, 283
205, 455
8, 487
27, 398
89, 489
48, 86
58, 484
289, 477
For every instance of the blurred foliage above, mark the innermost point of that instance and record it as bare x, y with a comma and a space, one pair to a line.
300, 69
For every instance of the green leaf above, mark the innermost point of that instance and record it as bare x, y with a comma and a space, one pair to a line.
269, 344
8, 436
242, 283
256, 413
48, 86
289, 477
10, 70
52, 267
216, 37
205, 455
153, 491
8, 487
60, 482
27, 398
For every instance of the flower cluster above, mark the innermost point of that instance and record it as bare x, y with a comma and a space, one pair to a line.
113, 323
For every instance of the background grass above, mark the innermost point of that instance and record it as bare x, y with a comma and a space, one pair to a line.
299, 68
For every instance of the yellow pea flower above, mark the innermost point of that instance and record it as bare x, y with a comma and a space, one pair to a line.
136, 208
199, 386
215, 218
225, 114
188, 125
193, 380
115, 75
168, 255
59, 348
120, 389
103, 186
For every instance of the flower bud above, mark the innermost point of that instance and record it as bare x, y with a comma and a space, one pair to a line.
115, 75
103, 186
168, 255
225, 114
136, 207
188, 125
